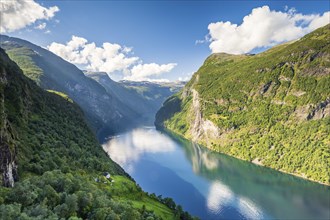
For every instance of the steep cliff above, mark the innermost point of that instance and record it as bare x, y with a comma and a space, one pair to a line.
8, 147
271, 108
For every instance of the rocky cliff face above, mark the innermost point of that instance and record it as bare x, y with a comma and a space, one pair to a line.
201, 129
8, 166
8, 148
322, 110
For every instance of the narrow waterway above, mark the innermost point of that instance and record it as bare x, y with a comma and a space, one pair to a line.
211, 185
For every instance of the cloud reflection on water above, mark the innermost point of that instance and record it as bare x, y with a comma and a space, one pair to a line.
230, 188
128, 149
220, 197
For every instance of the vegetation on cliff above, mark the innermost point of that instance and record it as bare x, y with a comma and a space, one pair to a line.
101, 109
272, 108
109, 106
46, 142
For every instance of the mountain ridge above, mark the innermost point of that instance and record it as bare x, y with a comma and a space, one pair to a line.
109, 106
54, 73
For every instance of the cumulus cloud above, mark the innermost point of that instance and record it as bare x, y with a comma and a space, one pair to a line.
262, 28
18, 14
143, 72
109, 58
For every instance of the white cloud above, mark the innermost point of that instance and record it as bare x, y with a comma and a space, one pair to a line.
107, 58
15, 15
185, 77
199, 41
263, 28
41, 26
319, 21
143, 72
205, 40
154, 80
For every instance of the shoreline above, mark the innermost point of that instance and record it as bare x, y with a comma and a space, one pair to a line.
282, 171
255, 163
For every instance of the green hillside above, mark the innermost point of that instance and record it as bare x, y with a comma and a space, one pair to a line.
110, 107
50, 72
272, 108
52, 166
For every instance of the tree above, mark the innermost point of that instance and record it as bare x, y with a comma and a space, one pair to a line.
72, 205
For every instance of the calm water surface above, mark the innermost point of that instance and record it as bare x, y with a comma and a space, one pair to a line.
211, 185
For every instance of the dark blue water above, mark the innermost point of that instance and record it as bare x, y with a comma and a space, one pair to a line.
211, 185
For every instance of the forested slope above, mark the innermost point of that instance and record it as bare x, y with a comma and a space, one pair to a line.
50, 72
272, 108
52, 166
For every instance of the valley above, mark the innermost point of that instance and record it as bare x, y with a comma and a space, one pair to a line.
164, 110
52, 165
108, 105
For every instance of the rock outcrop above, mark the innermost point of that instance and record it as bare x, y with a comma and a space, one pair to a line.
322, 110
8, 149
200, 127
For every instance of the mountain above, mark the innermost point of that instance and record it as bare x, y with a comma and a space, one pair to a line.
52, 166
109, 106
53, 73
272, 108
155, 93
144, 98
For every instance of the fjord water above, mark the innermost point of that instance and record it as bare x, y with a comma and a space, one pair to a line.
212, 185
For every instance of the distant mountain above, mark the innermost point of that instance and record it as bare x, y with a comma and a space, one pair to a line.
51, 165
272, 108
51, 72
152, 94
109, 106
144, 98
154, 91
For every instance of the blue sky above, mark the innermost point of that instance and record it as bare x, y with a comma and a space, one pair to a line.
160, 32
